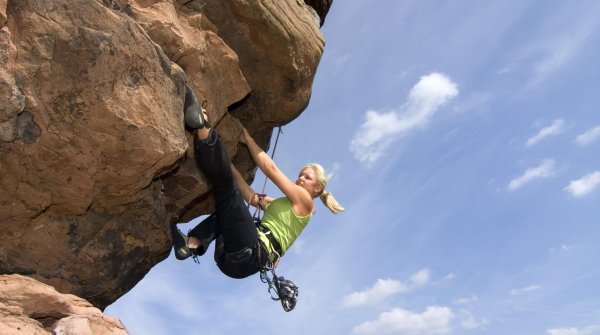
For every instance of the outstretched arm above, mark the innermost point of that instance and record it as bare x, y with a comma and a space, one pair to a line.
300, 198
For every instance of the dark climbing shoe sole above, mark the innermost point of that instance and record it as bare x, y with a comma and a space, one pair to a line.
180, 243
193, 112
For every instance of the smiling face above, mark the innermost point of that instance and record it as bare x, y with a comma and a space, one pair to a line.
307, 179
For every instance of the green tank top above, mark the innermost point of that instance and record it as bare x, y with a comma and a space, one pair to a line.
283, 223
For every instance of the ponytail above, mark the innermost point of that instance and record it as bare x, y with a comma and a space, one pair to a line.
330, 202
326, 197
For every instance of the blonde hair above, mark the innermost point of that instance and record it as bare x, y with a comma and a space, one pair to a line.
326, 197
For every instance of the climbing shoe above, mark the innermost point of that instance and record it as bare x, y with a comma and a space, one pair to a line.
180, 241
193, 112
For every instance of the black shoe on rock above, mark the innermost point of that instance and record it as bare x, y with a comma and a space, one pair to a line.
193, 112
180, 241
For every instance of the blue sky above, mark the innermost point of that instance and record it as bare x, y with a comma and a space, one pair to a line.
464, 140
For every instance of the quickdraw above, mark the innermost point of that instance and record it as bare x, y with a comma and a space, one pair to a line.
285, 290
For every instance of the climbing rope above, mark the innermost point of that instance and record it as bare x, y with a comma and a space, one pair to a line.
280, 289
257, 212
272, 157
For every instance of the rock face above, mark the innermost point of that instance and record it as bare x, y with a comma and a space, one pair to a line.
95, 161
321, 7
28, 307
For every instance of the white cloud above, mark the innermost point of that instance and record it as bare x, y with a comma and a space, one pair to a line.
556, 57
384, 288
468, 320
523, 290
562, 248
588, 137
420, 278
563, 47
381, 129
563, 331
591, 330
585, 185
544, 170
434, 320
555, 128
466, 300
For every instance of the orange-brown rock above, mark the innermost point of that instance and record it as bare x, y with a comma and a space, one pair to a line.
95, 161
29, 307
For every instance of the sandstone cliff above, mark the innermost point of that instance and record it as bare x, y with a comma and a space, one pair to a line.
29, 307
95, 161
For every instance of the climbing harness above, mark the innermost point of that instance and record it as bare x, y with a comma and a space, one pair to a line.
280, 289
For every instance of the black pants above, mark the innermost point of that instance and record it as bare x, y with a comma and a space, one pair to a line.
238, 252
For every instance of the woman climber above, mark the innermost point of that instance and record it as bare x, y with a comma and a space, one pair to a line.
242, 248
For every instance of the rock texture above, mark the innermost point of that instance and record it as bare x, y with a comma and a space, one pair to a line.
321, 7
29, 307
95, 161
